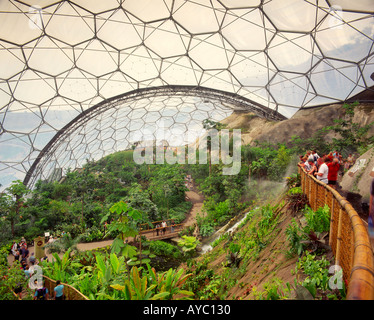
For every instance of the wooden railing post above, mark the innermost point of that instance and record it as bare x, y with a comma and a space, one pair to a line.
331, 220
338, 238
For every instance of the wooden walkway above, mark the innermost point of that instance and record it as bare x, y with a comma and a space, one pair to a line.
170, 232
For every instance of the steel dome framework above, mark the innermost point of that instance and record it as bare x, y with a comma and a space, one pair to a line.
82, 79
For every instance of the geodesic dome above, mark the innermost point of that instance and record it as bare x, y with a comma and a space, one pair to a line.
82, 79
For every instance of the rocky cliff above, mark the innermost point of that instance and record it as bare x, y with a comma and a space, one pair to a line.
304, 123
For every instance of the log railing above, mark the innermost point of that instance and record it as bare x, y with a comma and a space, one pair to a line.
70, 292
349, 239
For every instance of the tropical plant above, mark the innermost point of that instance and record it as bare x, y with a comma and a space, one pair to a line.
317, 221
233, 258
11, 202
297, 200
109, 271
59, 268
273, 290
293, 181
316, 271
188, 245
11, 278
296, 238
125, 225
153, 286
164, 248
170, 283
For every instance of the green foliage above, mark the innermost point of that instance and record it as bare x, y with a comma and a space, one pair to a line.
206, 228
297, 200
213, 289
164, 248
10, 279
295, 237
319, 220
316, 222
233, 258
125, 225
293, 181
273, 290
316, 271
203, 282
78, 204
167, 187
268, 161
188, 245
11, 202
279, 165
63, 244
294, 190
351, 136
180, 211
153, 286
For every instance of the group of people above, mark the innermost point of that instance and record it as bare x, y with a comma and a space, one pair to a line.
188, 182
163, 227
28, 263
327, 167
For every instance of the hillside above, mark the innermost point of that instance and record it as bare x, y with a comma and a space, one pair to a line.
272, 262
264, 267
304, 123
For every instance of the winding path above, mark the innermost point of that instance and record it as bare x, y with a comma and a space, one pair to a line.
197, 203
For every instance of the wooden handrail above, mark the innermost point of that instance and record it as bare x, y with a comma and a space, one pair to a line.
349, 239
154, 222
168, 228
70, 292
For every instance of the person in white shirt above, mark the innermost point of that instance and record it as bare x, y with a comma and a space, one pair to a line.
323, 171
163, 225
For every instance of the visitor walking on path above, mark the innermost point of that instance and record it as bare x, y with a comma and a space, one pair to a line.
41, 293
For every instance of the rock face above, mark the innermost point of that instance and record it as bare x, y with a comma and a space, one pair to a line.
304, 123
359, 177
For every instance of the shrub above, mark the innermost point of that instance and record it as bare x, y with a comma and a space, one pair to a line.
297, 200
163, 248
293, 180
295, 236
319, 220
316, 271
178, 213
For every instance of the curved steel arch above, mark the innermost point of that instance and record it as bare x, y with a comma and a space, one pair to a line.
229, 100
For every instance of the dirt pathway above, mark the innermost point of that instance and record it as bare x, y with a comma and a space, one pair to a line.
197, 203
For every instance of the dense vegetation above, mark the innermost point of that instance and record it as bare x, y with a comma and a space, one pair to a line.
111, 198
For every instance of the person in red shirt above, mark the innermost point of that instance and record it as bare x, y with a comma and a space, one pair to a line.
333, 172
